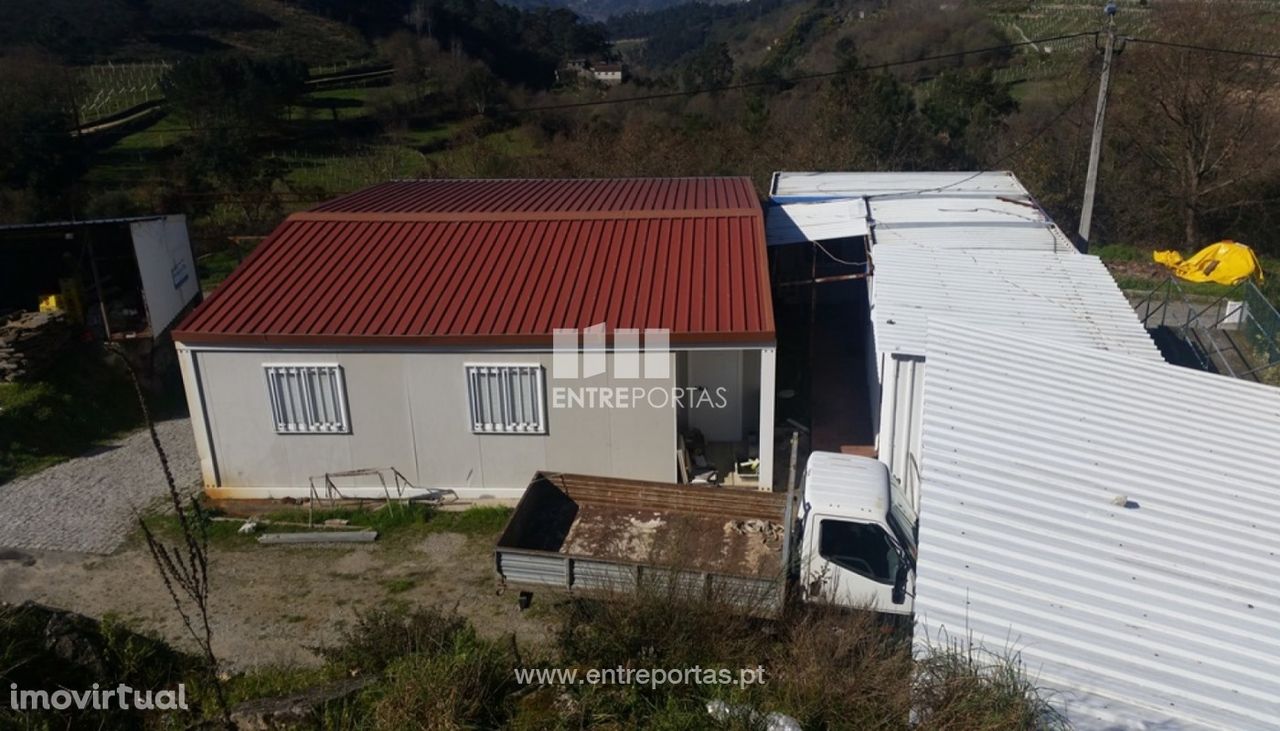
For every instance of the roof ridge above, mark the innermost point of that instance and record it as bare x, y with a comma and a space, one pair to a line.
516, 216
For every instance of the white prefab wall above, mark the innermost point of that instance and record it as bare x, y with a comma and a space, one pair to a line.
901, 405
411, 411
167, 267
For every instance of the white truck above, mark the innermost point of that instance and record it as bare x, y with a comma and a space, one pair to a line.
846, 537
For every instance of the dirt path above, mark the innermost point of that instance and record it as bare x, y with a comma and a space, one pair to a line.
273, 603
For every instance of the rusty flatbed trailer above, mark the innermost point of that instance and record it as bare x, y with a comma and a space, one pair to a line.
597, 535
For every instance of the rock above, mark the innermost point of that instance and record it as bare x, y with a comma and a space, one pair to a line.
286, 712
31, 341
9, 554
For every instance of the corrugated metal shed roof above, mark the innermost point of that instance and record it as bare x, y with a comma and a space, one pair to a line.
793, 223
488, 274
1066, 297
1162, 614
940, 210
970, 245
78, 224
674, 195
791, 184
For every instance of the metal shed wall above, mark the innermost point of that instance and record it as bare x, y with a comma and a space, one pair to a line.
1113, 522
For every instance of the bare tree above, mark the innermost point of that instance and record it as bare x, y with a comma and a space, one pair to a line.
1204, 125
184, 568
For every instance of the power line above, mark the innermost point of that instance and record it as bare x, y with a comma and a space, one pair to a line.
1002, 159
1206, 49
708, 89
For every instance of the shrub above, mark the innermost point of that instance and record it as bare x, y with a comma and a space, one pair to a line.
381, 636
466, 684
965, 687
831, 667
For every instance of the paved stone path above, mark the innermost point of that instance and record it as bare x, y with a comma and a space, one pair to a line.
90, 504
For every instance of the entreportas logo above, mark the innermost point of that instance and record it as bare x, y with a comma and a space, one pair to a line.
643, 357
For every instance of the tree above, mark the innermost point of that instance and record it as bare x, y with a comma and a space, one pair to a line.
862, 121
966, 110
480, 88
710, 68
1203, 126
221, 92
40, 159
232, 103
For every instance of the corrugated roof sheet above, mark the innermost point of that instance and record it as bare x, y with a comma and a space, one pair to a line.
793, 223
78, 224
506, 262
567, 195
970, 245
940, 210
793, 184
1113, 522
1066, 297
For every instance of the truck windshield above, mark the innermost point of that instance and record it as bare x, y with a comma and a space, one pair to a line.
902, 530
863, 548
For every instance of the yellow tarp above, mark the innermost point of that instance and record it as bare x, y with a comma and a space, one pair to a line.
1226, 262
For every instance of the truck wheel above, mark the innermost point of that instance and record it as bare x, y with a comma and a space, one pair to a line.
526, 598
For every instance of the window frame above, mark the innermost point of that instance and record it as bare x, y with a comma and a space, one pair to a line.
540, 404
272, 371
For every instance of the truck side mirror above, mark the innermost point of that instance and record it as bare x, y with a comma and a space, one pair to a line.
899, 595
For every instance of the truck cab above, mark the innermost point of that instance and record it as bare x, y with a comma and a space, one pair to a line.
858, 535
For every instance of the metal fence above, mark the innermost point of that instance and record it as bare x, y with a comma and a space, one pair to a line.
1237, 333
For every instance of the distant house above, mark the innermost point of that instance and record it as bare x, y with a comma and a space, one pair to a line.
469, 333
581, 68
609, 73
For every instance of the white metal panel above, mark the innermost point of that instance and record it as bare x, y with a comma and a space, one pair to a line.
958, 210
1114, 522
794, 223
968, 238
167, 268
797, 184
1069, 298
898, 441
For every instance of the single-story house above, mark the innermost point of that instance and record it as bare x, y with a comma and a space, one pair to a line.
465, 334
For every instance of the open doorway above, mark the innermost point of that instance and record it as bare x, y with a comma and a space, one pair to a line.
826, 367
718, 418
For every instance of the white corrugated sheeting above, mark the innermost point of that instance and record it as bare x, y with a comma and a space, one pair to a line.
788, 184
1162, 614
793, 223
1067, 297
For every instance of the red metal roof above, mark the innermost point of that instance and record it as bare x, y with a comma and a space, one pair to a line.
549, 196
503, 262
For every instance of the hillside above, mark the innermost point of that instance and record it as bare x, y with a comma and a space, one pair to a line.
97, 31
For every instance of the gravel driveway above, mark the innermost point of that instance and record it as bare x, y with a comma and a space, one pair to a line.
90, 504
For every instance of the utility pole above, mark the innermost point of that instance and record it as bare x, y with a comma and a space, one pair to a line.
1095, 145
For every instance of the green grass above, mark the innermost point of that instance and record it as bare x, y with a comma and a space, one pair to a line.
1122, 252
272, 680
397, 586
345, 103
478, 521
395, 525
218, 265
82, 402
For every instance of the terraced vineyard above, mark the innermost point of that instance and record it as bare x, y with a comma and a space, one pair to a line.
109, 89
